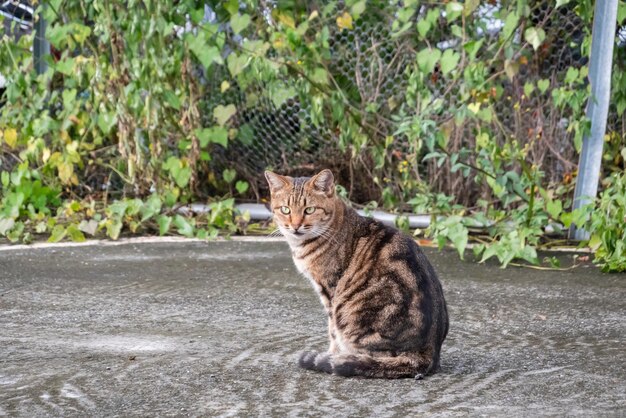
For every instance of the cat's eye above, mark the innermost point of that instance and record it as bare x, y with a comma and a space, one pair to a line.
285, 210
309, 210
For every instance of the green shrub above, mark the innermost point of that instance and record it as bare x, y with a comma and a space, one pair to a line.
608, 225
434, 111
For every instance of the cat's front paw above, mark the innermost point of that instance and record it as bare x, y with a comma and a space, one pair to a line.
307, 360
312, 360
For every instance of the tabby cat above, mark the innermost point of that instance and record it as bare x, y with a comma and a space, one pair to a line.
387, 316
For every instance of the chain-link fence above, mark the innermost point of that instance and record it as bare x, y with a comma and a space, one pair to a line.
370, 65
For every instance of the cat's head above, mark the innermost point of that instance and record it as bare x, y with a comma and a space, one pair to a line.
302, 206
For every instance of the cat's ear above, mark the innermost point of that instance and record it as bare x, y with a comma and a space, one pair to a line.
277, 181
324, 182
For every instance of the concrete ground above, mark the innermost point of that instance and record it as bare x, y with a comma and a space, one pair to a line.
177, 329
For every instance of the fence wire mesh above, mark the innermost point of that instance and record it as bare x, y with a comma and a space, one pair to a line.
369, 67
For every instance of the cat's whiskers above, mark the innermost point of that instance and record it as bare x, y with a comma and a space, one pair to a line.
324, 232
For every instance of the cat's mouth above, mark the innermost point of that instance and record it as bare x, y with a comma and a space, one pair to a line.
298, 233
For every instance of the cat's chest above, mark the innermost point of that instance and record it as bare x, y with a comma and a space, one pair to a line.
302, 266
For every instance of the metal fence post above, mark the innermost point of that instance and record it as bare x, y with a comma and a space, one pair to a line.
589, 165
41, 46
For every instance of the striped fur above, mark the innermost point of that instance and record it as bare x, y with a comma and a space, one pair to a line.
387, 315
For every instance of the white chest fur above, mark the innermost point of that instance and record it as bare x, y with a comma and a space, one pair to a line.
303, 267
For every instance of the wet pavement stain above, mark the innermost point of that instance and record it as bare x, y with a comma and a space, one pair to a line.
193, 329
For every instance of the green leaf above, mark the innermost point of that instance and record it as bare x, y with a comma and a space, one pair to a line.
6, 224
164, 223
239, 22
229, 175
528, 89
449, 60
106, 121
57, 35
246, 134
237, 63
75, 233
114, 228
231, 6
534, 36
510, 24
65, 66
458, 234
184, 227
257, 48
134, 206
118, 208
595, 242
566, 219
280, 93
472, 48
560, 3
69, 96
151, 207
182, 176
241, 186
215, 135
543, 85
319, 76
202, 233
423, 27
469, 6
511, 68
427, 59
357, 9
57, 234
621, 12
15, 234
453, 10
554, 208
172, 99
490, 251
40, 228
571, 75
223, 113
207, 55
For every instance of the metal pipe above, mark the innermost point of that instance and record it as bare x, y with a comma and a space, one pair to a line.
590, 163
259, 212
41, 46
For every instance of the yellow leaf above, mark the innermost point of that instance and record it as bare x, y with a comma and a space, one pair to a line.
225, 86
344, 21
65, 136
313, 15
45, 156
286, 20
279, 43
474, 107
10, 137
65, 172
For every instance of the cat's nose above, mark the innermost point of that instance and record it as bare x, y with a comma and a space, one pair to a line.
296, 227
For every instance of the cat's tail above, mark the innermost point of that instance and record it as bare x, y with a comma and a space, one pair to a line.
366, 366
